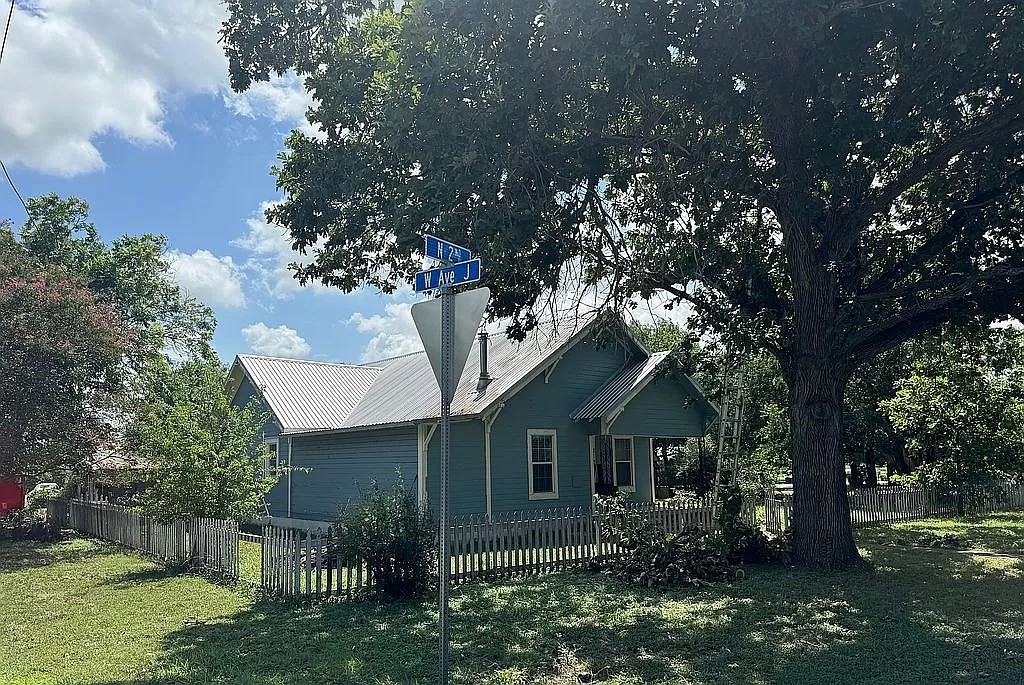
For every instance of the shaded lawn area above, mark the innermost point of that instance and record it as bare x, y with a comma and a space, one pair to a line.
1003, 532
913, 616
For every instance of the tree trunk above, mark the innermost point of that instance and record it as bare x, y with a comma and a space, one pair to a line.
822, 533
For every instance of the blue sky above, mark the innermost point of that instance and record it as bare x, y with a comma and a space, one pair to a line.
129, 110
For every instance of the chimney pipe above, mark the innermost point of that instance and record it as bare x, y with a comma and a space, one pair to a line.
485, 377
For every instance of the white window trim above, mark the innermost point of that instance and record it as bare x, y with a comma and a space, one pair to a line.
530, 432
632, 463
267, 473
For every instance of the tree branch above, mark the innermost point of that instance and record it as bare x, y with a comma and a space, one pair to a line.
995, 128
944, 238
960, 297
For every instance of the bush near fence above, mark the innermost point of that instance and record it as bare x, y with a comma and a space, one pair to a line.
201, 544
301, 563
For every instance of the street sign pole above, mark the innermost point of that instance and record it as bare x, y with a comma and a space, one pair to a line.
456, 337
444, 555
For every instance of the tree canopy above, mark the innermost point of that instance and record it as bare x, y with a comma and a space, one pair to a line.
60, 363
823, 179
88, 326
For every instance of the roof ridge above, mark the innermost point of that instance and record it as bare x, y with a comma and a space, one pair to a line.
368, 365
389, 359
503, 333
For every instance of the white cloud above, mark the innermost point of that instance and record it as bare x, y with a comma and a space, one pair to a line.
656, 310
271, 250
394, 332
77, 69
215, 280
280, 341
283, 99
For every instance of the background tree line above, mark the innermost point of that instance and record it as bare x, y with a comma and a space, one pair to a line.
945, 409
102, 355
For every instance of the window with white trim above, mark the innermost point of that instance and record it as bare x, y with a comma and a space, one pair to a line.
271, 463
625, 468
542, 448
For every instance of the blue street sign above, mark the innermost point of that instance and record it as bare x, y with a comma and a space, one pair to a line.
453, 274
445, 251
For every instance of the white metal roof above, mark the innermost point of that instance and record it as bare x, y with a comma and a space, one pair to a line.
310, 396
307, 395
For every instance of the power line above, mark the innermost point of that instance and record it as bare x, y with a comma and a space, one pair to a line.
13, 187
7, 29
3, 45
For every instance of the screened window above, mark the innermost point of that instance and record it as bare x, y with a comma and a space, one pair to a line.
271, 465
624, 471
543, 463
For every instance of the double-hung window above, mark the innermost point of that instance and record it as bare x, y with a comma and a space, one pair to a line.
542, 447
271, 464
625, 472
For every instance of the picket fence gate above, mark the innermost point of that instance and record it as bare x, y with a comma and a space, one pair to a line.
200, 543
898, 503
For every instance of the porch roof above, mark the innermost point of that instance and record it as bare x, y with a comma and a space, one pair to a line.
620, 389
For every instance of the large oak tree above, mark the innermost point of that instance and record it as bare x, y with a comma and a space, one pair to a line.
822, 178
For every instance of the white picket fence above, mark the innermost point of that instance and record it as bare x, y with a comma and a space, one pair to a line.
200, 543
896, 503
303, 563
300, 562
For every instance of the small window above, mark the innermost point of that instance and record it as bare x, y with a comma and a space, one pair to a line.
624, 471
271, 465
543, 463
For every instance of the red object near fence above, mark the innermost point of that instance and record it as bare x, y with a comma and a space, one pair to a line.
12, 496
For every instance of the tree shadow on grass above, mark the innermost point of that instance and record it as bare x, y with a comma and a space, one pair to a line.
27, 554
147, 575
927, 616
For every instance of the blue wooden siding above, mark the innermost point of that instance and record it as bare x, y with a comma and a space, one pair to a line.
665, 408
277, 498
467, 480
581, 372
331, 470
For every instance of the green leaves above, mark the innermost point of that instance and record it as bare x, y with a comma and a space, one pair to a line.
206, 455
60, 365
961, 408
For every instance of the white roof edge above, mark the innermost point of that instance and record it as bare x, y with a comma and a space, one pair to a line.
458, 418
368, 365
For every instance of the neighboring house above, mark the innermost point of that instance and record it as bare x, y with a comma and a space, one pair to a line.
540, 423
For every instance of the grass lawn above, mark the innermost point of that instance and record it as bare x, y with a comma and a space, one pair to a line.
1003, 532
250, 561
912, 616
82, 612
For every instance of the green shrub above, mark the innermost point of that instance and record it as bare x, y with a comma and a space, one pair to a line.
653, 558
388, 532
25, 524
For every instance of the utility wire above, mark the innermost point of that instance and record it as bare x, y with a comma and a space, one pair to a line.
3, 45
7, 29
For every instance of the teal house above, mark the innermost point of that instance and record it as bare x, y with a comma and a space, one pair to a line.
546, 422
